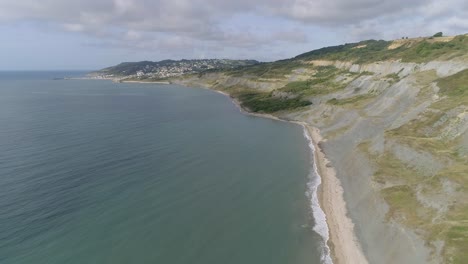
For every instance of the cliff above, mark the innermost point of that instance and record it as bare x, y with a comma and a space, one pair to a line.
394, 115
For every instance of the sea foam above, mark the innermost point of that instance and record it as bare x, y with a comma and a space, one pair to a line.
321, 226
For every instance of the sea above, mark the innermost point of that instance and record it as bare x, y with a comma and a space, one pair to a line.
93, 171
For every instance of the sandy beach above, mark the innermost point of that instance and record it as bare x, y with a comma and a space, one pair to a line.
350, 234
343, 243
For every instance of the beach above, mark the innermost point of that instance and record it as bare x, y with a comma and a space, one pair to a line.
332, 221
345, 247
338, 229
329, 210
138, 173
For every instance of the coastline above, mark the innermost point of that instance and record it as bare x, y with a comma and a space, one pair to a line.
116, 80
339, 228
155, 82
345, 246
341, 245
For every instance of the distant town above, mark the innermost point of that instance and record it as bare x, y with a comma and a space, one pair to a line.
165, 69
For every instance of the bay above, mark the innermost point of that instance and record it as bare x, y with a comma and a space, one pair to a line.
93, 171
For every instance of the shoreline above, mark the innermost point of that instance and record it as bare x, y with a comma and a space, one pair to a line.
345, 246
116, 80
340, 240
339, 232
155, 82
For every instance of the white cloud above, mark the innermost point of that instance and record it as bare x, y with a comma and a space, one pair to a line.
197, 24
73, 27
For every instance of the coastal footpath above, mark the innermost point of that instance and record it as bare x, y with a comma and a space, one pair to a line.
389, 124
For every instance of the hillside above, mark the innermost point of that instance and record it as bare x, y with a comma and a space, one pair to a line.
395, 118
149, 70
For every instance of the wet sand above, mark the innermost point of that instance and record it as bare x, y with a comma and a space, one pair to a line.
344, 244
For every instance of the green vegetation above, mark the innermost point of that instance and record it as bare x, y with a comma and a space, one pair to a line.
266, 102
404, 206
377, 50
325, 72
364, 73
361, 52
275, 69
300, 86
455, 90
145, 79
391, 169
393, 77
425, 51
403, 185
322, 82
438, 34
424, 135
456, 238
455, 85
351, 100
151, 68
297, 87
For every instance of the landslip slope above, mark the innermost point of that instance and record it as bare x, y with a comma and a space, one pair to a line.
394, 115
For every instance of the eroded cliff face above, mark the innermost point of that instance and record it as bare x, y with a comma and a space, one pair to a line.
379, 145
397, 134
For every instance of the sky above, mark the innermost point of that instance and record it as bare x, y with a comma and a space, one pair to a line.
92, 34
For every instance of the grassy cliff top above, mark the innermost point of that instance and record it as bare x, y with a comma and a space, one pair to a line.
408, 50
405, 106
418, 50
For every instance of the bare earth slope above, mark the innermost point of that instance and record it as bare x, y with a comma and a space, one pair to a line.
395, 120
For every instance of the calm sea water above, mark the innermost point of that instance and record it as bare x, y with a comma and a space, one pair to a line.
100, 172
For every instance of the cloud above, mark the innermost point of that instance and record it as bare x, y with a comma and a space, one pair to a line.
447, 16
183, 15
202, 24
341, 12
73, 27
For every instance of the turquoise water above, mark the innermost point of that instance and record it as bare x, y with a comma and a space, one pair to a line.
100, 172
